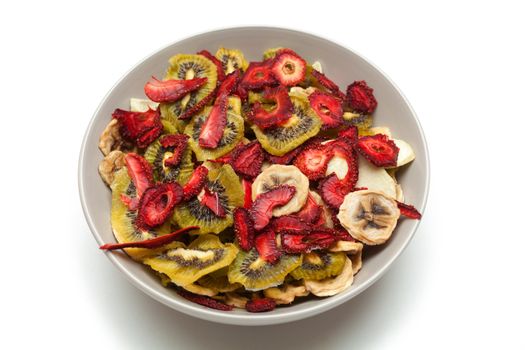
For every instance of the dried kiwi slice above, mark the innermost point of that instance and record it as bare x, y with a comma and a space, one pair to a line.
218, 280
255, 274
186, 265
231, 59
156, 155
363, 122
233, 134
302, 125
188, 67
226, 184
123, 220
270, 53
319, 265
234, 105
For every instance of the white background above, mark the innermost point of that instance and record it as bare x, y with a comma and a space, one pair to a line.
460, 283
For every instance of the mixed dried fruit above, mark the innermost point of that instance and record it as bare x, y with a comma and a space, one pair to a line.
252, 184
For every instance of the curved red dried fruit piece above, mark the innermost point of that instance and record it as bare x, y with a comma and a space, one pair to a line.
243, 227
409, 211
213, 128
152, 243
195, 183
378, 150
286, 158
318, 239
328, 84
343, 235
204, 300
257, 76
351, 134
313, 160
311, 211
247, 187
260, 305
267, 246
171, 90
261, 210
229, 84
140, 172
141, 128
211, 200
329, 108
342, 148
293, 244
177, 143
288, 67
279, 114
157, 204
333, 190
360, 97
216, 62
131, 203
290, 224
190, 112
247, 159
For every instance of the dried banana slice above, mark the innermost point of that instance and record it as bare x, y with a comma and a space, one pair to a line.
332, 286
406, 153
110, 164
369, 216
354, 250
141, 105
375, 178
286, 293
276, 175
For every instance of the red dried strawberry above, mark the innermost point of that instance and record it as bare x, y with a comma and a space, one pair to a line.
409, 211
260, 305
131, 203
195, 183
140, 172
293, 244
171, 90
333, 190
289, 68
378, 150
247, 160
317, 239
229, 84
190, 112
261, 210
342, 148
328, 108
360, 97
204, 300
243, 227
211, 200
258, 75
213, 128
177, 144
279, 114
247, 187
141, 128
151, 243
286, 158
328, 84
290, 224
350, 134
313, 160
343, 235
242, 93
157, 204
267, 246
216, 62
310, 212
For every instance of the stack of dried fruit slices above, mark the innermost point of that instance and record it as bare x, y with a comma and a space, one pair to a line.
251, 184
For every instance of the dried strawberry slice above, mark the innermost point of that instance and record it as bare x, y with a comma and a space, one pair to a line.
329, 108
343, 235
211, 200
360, 97
243, 227
286, 158
378, 150
204, 300
177, 144
229, 84
350, 134
247, 160
190, 112
157, 204
318, 239
258, 75
267, 246
328, 84
171, 90
213, 128
280, 113
261, 210
409, 211
195, 183
247, 187
131, 203
290, 224
310, 212
151, 243
216, 62
289, 68
141, 128
260, 305
333, 190
313, 160
342, 148
140, 172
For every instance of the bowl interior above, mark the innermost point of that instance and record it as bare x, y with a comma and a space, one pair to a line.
341, 65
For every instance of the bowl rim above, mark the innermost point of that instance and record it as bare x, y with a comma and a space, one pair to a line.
247, 319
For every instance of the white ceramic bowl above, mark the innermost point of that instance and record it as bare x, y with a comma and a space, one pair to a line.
339, 63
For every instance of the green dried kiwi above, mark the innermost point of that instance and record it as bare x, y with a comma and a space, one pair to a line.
123, 220
169, 127
156, 155
320, 265
233, 134
362, 121
186, 265
256, 274
231, 59
188, 67
309, 79
302, 125
218, 282
227, 185
234, 105
270, 53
